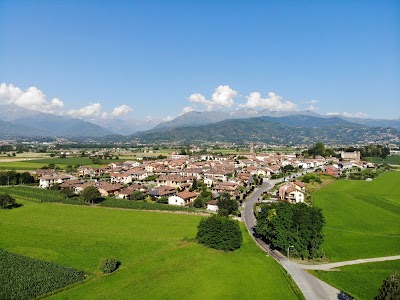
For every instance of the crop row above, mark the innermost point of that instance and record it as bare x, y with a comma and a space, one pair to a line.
22, 277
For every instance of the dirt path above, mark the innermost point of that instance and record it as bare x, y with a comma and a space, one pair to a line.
330, 266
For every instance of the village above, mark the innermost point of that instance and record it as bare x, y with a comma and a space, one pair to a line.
179, 179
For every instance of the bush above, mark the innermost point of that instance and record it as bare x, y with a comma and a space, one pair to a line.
219, 232
6, 201
109, 265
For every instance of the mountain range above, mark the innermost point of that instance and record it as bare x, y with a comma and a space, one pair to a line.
21, 122
238, 126
293, 129
207, 117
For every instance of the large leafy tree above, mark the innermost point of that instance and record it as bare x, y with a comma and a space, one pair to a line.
6, 200
90, 194
283, 225
390, 288
219, 232
137, 195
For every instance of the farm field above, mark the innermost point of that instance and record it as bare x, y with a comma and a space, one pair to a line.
392, 160
362, 218
159, 256
20, 275
360, 281
34, 164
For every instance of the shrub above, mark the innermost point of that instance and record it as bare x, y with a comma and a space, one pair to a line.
219, 232
6, 201
109, 265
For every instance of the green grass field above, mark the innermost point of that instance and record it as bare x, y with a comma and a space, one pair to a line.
360, 281
159, 256
392, 160
34, 164
362, 218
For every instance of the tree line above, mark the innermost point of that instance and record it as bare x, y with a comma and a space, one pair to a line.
15, 178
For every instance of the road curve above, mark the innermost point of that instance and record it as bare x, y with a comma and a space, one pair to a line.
311, 287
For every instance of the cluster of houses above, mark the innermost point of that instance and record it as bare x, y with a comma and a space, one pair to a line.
173, 177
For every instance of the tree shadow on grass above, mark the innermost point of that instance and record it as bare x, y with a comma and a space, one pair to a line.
14, 205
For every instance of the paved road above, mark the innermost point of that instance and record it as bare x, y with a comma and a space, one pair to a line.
311, 287
327, 267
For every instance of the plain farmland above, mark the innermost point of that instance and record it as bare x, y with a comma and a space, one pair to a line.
159, 257
362, 221
34, 164
362, 218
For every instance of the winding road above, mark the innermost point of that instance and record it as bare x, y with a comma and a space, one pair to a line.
311, 287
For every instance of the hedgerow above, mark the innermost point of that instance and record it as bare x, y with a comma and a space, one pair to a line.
22, 277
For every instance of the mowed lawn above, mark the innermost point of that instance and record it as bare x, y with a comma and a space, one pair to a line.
360, 281
362, 218
160, 259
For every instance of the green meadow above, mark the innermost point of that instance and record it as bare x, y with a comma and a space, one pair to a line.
360, 281
362, 218
392, 160
159, 257
362, 221
34, 164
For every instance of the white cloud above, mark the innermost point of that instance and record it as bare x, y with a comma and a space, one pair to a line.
312, 108
356, 115
312, 102
186, 109
273, 102
222, 97
333, 114
121, 110
91, 111
360, 115
168, 118
32, 98
312, 105
35, 99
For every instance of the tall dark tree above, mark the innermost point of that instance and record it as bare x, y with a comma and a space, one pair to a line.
226, 205
194, 185
137, 195
390, 288
67, 192
90, 194
6, 200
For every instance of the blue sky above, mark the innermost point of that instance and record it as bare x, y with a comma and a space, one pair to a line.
156, 59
